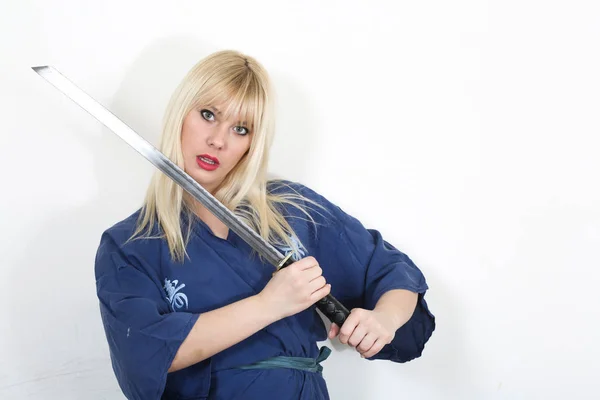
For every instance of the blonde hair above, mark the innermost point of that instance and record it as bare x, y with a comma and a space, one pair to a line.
241, 84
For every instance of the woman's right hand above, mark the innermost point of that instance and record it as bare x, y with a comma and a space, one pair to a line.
295, 288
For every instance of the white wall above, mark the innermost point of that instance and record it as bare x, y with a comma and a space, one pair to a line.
479, 123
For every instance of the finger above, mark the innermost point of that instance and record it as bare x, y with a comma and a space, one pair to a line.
367, 342
316, 284
358, 335
333, 330
319, 294
306, 263
348, 327
312, 273
376, 348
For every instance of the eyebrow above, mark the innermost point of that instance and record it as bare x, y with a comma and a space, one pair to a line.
216, 110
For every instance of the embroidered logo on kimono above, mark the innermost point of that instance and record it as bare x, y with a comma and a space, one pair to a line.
177, 300
297, 248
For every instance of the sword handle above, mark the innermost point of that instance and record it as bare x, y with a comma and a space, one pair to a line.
328, 305
333, 309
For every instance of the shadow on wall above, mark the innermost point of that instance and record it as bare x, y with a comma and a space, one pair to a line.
57, 331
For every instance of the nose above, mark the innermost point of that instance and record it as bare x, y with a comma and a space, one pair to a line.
218, 137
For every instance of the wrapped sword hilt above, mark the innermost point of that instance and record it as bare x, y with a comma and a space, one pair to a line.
328, 305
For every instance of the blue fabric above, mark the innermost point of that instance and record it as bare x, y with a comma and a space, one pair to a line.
149, 304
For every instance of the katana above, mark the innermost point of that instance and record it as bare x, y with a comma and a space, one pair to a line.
329, 305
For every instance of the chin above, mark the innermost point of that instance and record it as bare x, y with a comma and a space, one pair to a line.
207, 184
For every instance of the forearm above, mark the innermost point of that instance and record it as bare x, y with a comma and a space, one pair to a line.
219, 329
399, 304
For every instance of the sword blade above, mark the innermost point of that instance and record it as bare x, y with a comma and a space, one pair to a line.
160, 161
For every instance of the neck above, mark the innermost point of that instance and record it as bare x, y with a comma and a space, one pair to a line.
217, 227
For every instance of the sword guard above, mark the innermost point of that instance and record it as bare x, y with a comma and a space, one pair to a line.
285, 262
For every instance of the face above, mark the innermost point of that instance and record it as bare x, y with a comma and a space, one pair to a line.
212, 146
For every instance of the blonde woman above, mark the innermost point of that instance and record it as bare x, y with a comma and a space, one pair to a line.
191, 312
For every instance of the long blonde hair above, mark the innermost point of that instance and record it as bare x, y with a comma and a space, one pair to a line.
242, 84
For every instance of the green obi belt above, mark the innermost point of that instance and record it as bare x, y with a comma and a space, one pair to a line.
301, 363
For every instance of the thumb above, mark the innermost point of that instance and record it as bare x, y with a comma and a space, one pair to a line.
334, 330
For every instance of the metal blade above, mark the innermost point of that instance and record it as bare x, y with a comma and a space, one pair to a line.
161, 162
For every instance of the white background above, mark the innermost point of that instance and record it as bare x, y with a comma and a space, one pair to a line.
465, 131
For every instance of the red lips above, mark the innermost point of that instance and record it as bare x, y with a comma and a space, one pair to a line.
207, 162
214, 159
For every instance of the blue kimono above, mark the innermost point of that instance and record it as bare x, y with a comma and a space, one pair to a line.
149, 304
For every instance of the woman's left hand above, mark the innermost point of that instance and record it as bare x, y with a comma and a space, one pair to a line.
367, 331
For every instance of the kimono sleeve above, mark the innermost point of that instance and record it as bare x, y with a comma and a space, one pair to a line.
379, 267
143, 334
387, 268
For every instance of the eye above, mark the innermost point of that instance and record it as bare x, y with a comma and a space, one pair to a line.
241, 130
207, 115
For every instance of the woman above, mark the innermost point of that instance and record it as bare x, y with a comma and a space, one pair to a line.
191, 312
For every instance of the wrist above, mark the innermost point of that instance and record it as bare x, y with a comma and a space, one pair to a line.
391, 316
265, 307
398, 305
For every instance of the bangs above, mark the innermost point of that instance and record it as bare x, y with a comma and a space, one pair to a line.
239, 97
